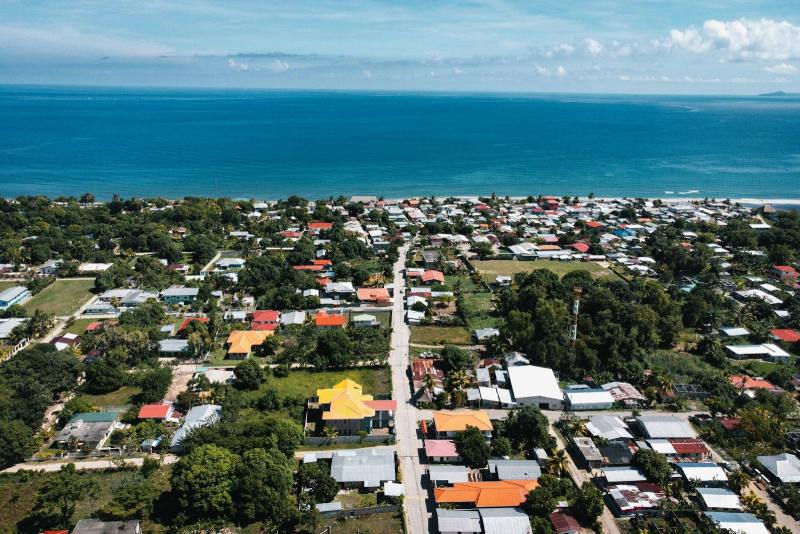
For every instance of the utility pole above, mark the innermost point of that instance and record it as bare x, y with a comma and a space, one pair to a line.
576, 302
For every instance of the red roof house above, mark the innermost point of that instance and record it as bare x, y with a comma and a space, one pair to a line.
431, 275
786, 335
159, 412
188, 320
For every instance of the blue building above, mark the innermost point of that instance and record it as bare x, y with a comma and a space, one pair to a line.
13, 295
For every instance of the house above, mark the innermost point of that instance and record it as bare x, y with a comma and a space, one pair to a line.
241, 342
157, 412
365, 320
785, 273
13, 295
588, 455
448, 424
608, 427
705, 472
787, 335
491, 494
197, 417
431, 258
378, 296
686, 449
505, 521
178, 295
626, 499
363, 468
347, 409
535, 386
739, 522
171, 348
665, 426
580, 398
86, 431
611, 476
7, 326
265, 319
782, 468
441, 450
749, 384
431, 276
447, 474
564, 523
293, 317
229, 264
502, 469
324, 320
458, 521
720, 499
96, 526
189, 320
766, 351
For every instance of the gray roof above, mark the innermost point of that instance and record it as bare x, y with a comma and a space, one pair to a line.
666, 426
369, 466
293, 317
609, 427
785, 467
719, 498
95, 526
173, 345
84, 431
7, 325
197, 417
180, 292
505, 521
448, 473
515, 469
12, 293
458, 520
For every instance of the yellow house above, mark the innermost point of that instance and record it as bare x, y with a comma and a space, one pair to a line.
346, 408
451, 423
241, 342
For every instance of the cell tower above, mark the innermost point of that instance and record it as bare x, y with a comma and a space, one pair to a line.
576, 303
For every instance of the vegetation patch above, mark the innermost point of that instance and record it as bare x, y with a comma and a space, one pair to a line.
440, 335
491, 269
63, 297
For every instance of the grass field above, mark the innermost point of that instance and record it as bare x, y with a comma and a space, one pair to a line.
116, 399
372, 524
491, 269
62, 297
440, 335
79, 326
304, 383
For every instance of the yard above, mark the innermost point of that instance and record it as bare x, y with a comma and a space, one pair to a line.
440, 335
302, 383
491, 269
372, 524
79, 326
62, 297
121, 398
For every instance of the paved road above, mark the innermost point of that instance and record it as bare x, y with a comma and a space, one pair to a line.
781, 517
408, 442
82, 465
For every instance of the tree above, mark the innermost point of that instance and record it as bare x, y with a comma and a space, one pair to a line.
319, 485
501, 446
154, 384
528, 428
586, 504
558, 462
654, 465
456, 359
471, 446
56, 498
202, 482
263, 485
104, 376
249, 375
333, 348
16, 442
483, 249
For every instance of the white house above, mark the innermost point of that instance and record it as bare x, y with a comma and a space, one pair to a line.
535, 386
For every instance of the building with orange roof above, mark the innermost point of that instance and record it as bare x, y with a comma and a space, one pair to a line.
316, 227
158, 412
346, 408
489, 494
431, 276
374, 295
241, 342
747, 383
330, 320
450, 423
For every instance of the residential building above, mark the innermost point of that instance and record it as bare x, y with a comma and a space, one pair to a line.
458, 521
441, 450
703, 472
580, 398
505, 521
447, 474
448, 424
293, 318
96, 526
241, 342
378, 296
363, 468
347, 409
491, 494
739, 522
502, 469
86, 431
782, 468
609, 427
179, 295
324, 320
719, 499
665, 426
158, 412
197, 417
627, 499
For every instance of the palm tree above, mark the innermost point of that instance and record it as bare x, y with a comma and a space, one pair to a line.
429, 381
577, 427
558, 462
330, 433
459, 379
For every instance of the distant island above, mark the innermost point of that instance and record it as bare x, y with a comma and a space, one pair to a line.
780, 93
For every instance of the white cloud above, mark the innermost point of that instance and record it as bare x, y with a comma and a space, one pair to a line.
593, 46
561, 71
278, 66
743, 39
457, 71
542, 71
563, 49
782, 68
61, 41
238, 65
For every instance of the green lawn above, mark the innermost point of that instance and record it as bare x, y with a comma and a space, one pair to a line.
62, 297
120, 398
302, 383
388, 523
440, 335
79, 326
490, 269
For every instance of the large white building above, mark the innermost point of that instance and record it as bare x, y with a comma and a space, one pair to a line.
536, 386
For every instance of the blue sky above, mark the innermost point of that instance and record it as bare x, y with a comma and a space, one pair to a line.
636, 46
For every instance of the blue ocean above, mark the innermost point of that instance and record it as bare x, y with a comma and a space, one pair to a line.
271, 144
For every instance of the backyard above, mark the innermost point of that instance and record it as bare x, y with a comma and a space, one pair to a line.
491, 269
440, 335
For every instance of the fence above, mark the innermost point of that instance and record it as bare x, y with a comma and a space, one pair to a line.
321, 440
361, 512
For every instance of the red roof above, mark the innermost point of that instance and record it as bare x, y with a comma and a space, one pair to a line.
433, 276
322, 262
688, 446
746, 382
785, 269
289, 234
91, 327
188, 320
389, 405
440, 447
594, 224
307, 267
564, 522
263, 326
786, 334
580, 247
154, 411
730, 423
319, 225
266, 316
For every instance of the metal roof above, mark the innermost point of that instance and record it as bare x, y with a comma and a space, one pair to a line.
368, 466
464, 521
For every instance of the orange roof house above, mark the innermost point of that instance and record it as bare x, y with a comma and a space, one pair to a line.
456, 421
156, 411
316, 226
748, 383
433, 276
379, 295
490, 494
330, 320
786, 335
241, 342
